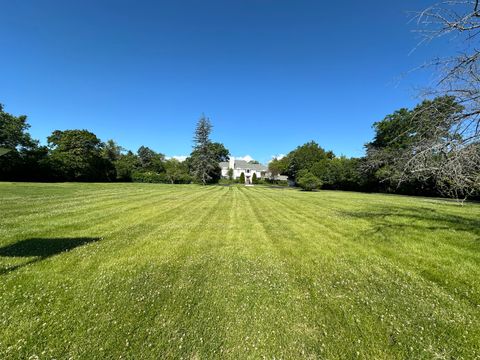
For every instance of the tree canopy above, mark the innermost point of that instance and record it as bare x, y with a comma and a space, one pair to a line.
17, 148
77, 155
425, 132
13, 131
304, 157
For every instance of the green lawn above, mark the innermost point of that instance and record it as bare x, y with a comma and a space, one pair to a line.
145, 271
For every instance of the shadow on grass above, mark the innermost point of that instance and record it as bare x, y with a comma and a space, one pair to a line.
40, 249
402, 218
409, 237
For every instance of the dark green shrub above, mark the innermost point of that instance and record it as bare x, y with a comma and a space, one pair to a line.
276, 182
308, 182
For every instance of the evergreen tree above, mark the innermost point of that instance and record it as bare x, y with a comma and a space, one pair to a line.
242, 178
204, 161
219, 152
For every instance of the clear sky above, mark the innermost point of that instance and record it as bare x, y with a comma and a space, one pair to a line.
270, 74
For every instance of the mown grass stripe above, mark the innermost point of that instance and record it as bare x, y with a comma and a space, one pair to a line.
235, 272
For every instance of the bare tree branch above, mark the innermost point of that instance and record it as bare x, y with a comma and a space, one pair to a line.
452, 160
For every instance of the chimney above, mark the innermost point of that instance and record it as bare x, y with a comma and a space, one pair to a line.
231, 163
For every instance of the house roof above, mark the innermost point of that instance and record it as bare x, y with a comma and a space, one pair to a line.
242, 164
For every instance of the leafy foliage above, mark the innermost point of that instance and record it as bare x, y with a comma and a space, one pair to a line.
339, 173
76, 155
15, 145
148, 177
304, 157
277, 167
219, 151
150, 160
111, 151
176, 172
13, 131
126, 165
421, 131
307, 181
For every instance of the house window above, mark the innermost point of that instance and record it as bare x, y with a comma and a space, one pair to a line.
248, 171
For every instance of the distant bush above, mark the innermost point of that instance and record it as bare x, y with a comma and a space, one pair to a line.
149, 177
260, 181
241, 180
276, 182
254, 178
308, 182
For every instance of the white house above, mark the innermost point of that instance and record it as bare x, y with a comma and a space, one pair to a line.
242, 166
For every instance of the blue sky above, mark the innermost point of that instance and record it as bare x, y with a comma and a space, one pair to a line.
270, 74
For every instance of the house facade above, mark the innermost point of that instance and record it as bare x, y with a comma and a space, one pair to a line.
242, 166
248, 169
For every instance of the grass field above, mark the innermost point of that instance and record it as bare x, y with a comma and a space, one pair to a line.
146, 271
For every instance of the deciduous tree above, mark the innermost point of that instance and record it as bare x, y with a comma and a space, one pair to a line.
14, 142
151, 160
126, 165
304, 157
277, 167
418, 149
176, 172
453, 160
76, 155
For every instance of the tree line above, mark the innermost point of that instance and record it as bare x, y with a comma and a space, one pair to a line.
79, 155
388, 165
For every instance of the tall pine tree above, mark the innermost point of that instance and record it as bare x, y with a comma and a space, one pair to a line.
204, 160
